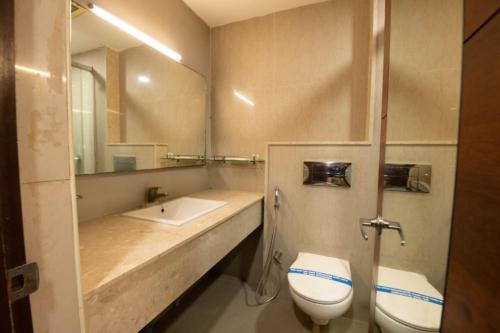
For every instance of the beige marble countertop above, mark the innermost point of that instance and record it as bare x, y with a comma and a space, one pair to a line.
114, 246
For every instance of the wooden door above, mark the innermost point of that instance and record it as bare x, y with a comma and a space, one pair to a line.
14, 316
472, 300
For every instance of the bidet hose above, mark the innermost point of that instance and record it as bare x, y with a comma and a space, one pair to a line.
269, 259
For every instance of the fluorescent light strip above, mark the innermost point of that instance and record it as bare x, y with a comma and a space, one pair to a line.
135, 32
244, 98
32, 71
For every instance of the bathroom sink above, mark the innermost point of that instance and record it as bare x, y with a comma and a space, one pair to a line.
176, 212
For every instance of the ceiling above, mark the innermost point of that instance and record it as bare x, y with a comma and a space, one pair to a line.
89, 32
220, 12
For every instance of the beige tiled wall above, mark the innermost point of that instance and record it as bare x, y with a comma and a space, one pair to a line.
47, 187
174, 24
424, 99
299, 67
237, 176
425, 70
306, 69
170, 109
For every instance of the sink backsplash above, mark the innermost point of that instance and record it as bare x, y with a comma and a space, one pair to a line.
105, 195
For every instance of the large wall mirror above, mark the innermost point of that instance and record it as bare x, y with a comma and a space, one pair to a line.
131, 104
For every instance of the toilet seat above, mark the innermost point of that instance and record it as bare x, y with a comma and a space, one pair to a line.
409, 299
320, 279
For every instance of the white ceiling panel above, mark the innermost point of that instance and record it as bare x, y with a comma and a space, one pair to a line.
220, 12
89, 32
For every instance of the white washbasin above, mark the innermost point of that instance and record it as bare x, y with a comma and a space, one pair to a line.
176, 212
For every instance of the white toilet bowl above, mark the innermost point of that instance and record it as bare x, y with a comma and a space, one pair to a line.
406, 302
321, 286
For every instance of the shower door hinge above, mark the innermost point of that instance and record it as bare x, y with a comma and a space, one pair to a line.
22, 281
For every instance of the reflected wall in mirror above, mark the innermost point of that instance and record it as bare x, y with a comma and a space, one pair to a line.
422, 129
131, 104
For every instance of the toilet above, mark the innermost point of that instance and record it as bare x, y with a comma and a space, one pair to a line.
406, 302
321, 286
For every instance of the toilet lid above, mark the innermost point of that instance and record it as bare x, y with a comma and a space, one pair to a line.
320, 279
409, 298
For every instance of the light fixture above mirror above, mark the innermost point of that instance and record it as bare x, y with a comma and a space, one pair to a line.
131, 30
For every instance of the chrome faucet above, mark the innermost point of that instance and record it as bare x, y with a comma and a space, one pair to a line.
152, 194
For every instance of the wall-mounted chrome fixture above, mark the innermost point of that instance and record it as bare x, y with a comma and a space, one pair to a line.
253, 159
179, 158
277, 201
335, 174
407, 177
153, 194
380, 224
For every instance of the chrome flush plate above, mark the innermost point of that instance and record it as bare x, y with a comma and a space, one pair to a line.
332, 174
407, 177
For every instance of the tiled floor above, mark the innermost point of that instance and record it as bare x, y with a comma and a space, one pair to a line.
225, 305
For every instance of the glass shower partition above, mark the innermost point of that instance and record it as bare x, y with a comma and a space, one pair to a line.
420, 111
83, 119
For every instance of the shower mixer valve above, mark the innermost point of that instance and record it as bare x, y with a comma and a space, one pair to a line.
380, 224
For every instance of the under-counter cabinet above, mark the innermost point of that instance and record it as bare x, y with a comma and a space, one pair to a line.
133, 269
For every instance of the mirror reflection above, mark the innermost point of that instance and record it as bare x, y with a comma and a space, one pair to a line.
132, 105
422, 131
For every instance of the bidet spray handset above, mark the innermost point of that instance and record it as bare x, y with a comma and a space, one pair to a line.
276, 197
